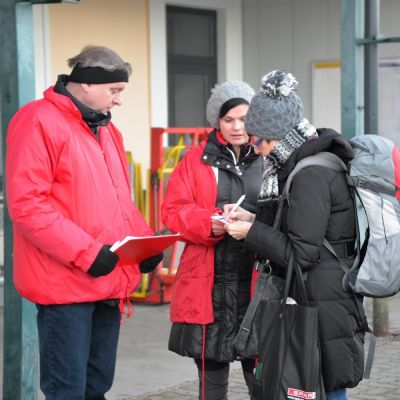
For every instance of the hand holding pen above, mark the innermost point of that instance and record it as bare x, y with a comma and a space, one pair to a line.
236, 213
235, 207
241, 222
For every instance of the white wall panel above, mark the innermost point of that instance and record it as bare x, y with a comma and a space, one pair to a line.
333, 29
310, 30
251, 58
293, 34
276, 37
389, 27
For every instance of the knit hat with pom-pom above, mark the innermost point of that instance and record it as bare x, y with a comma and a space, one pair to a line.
276, 108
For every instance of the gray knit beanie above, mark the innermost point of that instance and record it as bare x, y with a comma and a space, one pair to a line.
221, 94
276, 108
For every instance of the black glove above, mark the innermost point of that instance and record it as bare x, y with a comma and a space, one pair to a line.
104, 263
149, 264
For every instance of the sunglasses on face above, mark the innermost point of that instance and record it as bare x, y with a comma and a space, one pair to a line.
256, 143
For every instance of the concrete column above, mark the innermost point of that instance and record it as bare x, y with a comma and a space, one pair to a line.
17, 87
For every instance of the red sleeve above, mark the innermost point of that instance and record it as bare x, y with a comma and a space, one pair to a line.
31, 157
190, 200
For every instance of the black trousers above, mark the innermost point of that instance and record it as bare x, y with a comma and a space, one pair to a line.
216, 378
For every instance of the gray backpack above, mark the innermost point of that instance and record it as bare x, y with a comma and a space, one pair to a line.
374, 178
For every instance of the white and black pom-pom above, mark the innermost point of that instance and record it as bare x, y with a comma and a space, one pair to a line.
279, 83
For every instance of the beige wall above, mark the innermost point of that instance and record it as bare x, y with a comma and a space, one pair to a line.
123, 26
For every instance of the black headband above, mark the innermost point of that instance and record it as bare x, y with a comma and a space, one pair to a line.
97, 75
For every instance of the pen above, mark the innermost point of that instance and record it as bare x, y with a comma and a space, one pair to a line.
235, 206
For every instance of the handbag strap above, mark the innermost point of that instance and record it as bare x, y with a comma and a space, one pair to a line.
294, 269
245, 328
292, 264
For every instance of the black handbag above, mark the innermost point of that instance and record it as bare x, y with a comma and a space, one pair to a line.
267, 287
289, 363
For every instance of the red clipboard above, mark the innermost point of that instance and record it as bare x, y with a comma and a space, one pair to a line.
134, 249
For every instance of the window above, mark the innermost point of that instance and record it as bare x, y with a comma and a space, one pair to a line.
192, 64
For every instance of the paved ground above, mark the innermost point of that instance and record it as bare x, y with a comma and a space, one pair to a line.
146, 370
384, 383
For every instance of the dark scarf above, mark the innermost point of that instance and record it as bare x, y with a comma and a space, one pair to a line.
280, 154
93, 118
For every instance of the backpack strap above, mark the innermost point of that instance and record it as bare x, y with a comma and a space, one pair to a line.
371, 353
324, 159
345, 282
331, 161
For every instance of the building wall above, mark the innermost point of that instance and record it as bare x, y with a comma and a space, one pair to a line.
137, 31
123, 26
229, 47
255, 36
292, 34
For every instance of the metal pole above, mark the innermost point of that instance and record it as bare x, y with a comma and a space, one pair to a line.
352, 71
380, 317
371, 67
380, 306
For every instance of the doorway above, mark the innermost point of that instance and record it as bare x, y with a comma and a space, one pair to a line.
192, 64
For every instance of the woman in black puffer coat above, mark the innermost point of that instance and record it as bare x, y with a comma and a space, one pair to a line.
212, 285
320, 207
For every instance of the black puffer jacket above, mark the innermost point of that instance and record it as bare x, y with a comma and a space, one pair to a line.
233, 262
320, 206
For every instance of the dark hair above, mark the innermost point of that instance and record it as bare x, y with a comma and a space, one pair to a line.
231, 103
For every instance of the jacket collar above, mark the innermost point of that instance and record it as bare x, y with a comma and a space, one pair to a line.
218, 148
93, 118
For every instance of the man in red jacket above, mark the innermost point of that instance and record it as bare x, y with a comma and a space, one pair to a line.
68, 194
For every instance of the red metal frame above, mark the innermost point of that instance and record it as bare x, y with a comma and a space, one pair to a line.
157, 160
161, 280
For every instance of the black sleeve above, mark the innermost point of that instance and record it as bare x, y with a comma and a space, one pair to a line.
307, 220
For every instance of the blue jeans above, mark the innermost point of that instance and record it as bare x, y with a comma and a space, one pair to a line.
339, 394
78, 348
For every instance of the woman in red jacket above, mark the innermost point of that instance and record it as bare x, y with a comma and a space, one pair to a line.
212, 288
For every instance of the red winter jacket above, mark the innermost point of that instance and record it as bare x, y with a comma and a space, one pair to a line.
68, 194
187, 209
